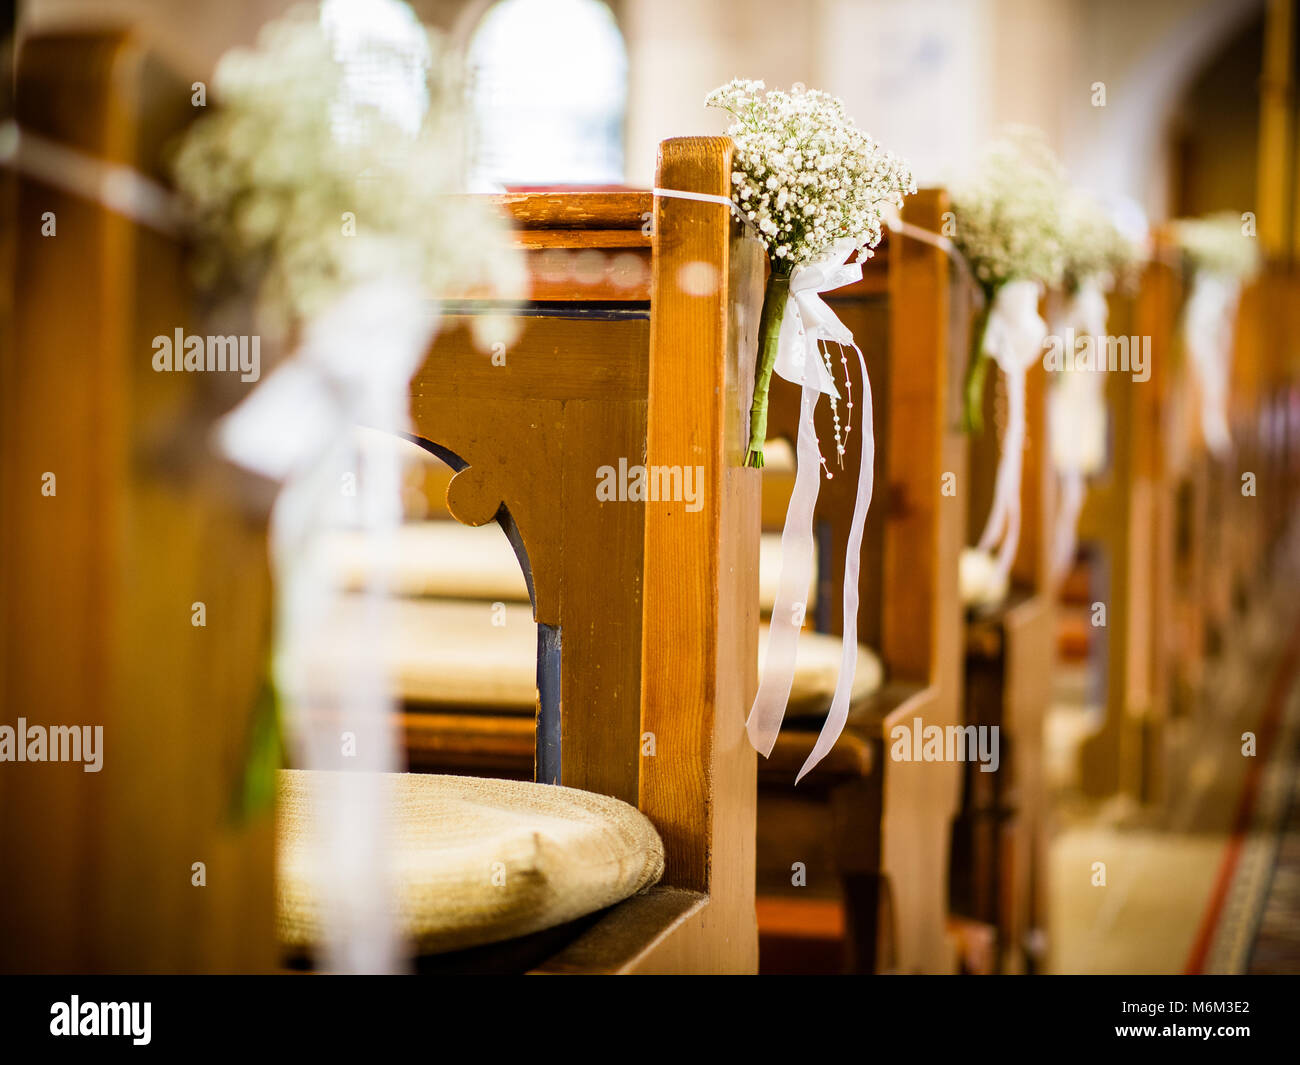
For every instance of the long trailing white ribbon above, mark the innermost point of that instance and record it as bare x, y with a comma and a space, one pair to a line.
351, 368
1014, 339
1208, 321
1077, 421
807, 324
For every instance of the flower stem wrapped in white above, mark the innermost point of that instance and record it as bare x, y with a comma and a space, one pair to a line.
809, 181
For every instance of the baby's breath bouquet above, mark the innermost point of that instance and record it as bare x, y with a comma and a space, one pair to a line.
1009, 227
1217, 245
807, 179
303, 182
320, 190
1096, 251
814, 188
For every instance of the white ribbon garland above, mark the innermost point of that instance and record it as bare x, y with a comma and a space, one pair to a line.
1014, 339
808, 323
1077, 421
1208, 322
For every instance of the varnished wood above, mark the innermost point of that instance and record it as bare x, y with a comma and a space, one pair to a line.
701, 595
1119, 520
100, 579
534, 433
627, 209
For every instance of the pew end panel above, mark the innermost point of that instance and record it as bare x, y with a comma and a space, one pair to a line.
142, 524
868, 829
1009, 651
700, 599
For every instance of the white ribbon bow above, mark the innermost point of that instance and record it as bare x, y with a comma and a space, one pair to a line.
298, 427
1077, 421
1208, 322
807, 323
1014, 339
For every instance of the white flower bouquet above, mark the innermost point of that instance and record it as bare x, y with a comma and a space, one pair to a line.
331, 210
811, 183
814, 188
299, 185
1009, 228
1217, 245
1096, 251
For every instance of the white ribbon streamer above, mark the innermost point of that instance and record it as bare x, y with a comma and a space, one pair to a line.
121, 189
808, 323
1077, 420
352, 367
1208, 322
1014, 339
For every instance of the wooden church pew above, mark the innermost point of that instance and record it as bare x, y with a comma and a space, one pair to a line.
1125, 511
863, 830
689, 612
999, 841
894, 312
635, 604
1269, 422
148, 864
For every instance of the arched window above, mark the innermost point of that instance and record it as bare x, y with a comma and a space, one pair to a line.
549, 91
384, 55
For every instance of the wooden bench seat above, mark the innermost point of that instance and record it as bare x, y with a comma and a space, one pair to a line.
898, 313
999, 841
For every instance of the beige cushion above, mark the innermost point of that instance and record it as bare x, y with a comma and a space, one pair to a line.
442, 558
448, 652
475, 861
452, 652
454, 561
816, 669
769, 574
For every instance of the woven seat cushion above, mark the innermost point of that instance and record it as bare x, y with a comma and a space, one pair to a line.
475, 861
454, 561
448, 652
816, 670
436, 558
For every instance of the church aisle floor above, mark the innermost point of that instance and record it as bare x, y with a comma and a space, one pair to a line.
1186, 881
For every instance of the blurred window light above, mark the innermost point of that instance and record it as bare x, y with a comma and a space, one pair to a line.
549, 93
383, 51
